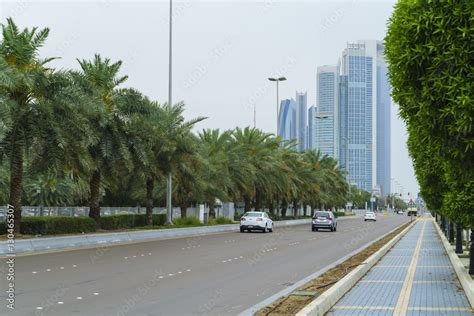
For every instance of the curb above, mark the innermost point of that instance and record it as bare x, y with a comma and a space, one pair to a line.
253, 309
327, 299
463, 276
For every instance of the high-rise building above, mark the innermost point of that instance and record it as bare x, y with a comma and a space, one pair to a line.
301, 119
311, 143
381, 115
343, 121
358, 138
287, 119
327, 95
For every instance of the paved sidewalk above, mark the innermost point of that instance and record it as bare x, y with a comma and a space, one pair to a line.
414, 278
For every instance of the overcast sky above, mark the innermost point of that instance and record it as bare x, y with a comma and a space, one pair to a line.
223, 51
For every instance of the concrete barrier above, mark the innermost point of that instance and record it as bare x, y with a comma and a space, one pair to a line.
51, 244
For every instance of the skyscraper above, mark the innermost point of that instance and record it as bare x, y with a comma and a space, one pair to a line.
327, 117
381, 117
358, 136
311, 143
301, 119
287, 119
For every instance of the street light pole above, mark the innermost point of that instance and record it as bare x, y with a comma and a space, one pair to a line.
169, 209
278, 98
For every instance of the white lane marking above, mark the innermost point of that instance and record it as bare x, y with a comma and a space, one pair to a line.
79, 298
236, 258
188, 270
62, 268
60, 303
240, 257
134, 256
48, 270
39, 307
179, 272
182, 248
74, 266
161, 277
149, 253
142, 255
171, 274
95, 293
125, 258
34, 272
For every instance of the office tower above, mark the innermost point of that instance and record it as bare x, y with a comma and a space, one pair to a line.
327, 95
343, 121
381, 115
301, 119
358, 139
287, 119
312, 128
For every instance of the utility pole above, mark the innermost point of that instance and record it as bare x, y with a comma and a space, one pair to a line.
169, 207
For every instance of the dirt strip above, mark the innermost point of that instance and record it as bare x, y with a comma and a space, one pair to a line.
291, 304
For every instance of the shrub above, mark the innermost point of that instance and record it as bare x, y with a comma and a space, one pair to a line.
220, 220
338, 214
53, 225
274, 217
187, 221
129, 221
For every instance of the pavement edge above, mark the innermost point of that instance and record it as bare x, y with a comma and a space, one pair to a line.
466, 281
323, 303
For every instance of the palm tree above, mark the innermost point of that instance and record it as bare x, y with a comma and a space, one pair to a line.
113, 110
37, 109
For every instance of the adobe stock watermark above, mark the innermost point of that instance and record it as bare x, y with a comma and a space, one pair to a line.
200, 71
140, 292
335, 17
262, 91
51, 301
207, 307
10, 260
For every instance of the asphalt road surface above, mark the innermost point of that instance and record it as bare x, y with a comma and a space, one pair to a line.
220, 274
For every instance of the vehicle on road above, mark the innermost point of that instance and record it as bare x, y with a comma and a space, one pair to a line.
370, 216
412, 211
400, 212
256, 221
325, 220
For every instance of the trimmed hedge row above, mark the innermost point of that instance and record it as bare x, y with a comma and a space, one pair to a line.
54, 225
49, 225
129, 221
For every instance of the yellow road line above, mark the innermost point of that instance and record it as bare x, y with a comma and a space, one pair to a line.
402, 304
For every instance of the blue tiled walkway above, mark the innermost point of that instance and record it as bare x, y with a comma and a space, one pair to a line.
414, 278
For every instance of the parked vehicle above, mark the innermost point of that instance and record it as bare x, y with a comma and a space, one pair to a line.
256, 221
370, 216
324, 219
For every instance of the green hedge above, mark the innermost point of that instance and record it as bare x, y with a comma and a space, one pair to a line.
53, 225
129, 221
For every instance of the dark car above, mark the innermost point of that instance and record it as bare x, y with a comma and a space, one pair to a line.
324, 219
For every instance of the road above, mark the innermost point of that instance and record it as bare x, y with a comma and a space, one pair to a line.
220, 274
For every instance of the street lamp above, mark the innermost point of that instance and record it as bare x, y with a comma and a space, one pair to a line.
277, 80
169, 209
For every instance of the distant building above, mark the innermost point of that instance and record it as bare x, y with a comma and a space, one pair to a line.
287, 119
301, 119
311, 143
381, 115
358, 138
327, 116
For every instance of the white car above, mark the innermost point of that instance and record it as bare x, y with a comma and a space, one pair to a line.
370, 216
256, 221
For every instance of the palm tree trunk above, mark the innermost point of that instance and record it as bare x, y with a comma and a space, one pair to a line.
295, 207
149, 201
248, 205
184, 210
284, 207
271, 208
212, 210
258, 200
16, 177
94, 207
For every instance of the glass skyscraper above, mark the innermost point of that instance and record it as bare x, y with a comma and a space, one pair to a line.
327, 117
301, 119
312, 133
358, 136
287, 119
